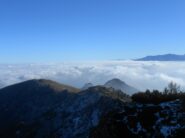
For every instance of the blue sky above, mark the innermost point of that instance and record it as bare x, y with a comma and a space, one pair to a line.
67, 30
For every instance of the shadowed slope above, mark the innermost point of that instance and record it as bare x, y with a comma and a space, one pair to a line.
44, 109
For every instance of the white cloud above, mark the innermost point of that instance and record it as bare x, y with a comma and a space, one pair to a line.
142, 75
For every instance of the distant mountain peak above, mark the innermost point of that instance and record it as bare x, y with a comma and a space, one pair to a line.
87, 86
118, 84
116, 80
165, 57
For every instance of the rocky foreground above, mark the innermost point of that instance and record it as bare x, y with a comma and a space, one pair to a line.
47, 109
44, 109
143, 121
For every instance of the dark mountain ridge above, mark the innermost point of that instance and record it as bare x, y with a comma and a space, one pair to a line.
166, 57
44, 108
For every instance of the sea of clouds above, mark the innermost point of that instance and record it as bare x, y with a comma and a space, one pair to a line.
141, 75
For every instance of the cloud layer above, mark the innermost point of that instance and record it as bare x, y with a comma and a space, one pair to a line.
142, 75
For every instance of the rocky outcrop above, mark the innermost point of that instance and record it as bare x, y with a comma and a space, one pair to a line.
143, 120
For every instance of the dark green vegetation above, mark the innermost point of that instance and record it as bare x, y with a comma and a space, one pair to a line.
170, 93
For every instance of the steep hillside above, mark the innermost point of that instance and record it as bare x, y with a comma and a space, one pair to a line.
44, 109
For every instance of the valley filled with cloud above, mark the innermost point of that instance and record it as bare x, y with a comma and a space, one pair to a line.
141, 75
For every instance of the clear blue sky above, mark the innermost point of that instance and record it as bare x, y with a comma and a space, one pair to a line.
62, 30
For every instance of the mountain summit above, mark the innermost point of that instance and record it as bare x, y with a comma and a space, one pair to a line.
166, 57
118, 84
45, 109
87, 86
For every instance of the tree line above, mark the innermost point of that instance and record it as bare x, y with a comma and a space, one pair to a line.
170, 93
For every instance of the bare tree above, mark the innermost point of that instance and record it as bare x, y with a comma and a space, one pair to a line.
173, 88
